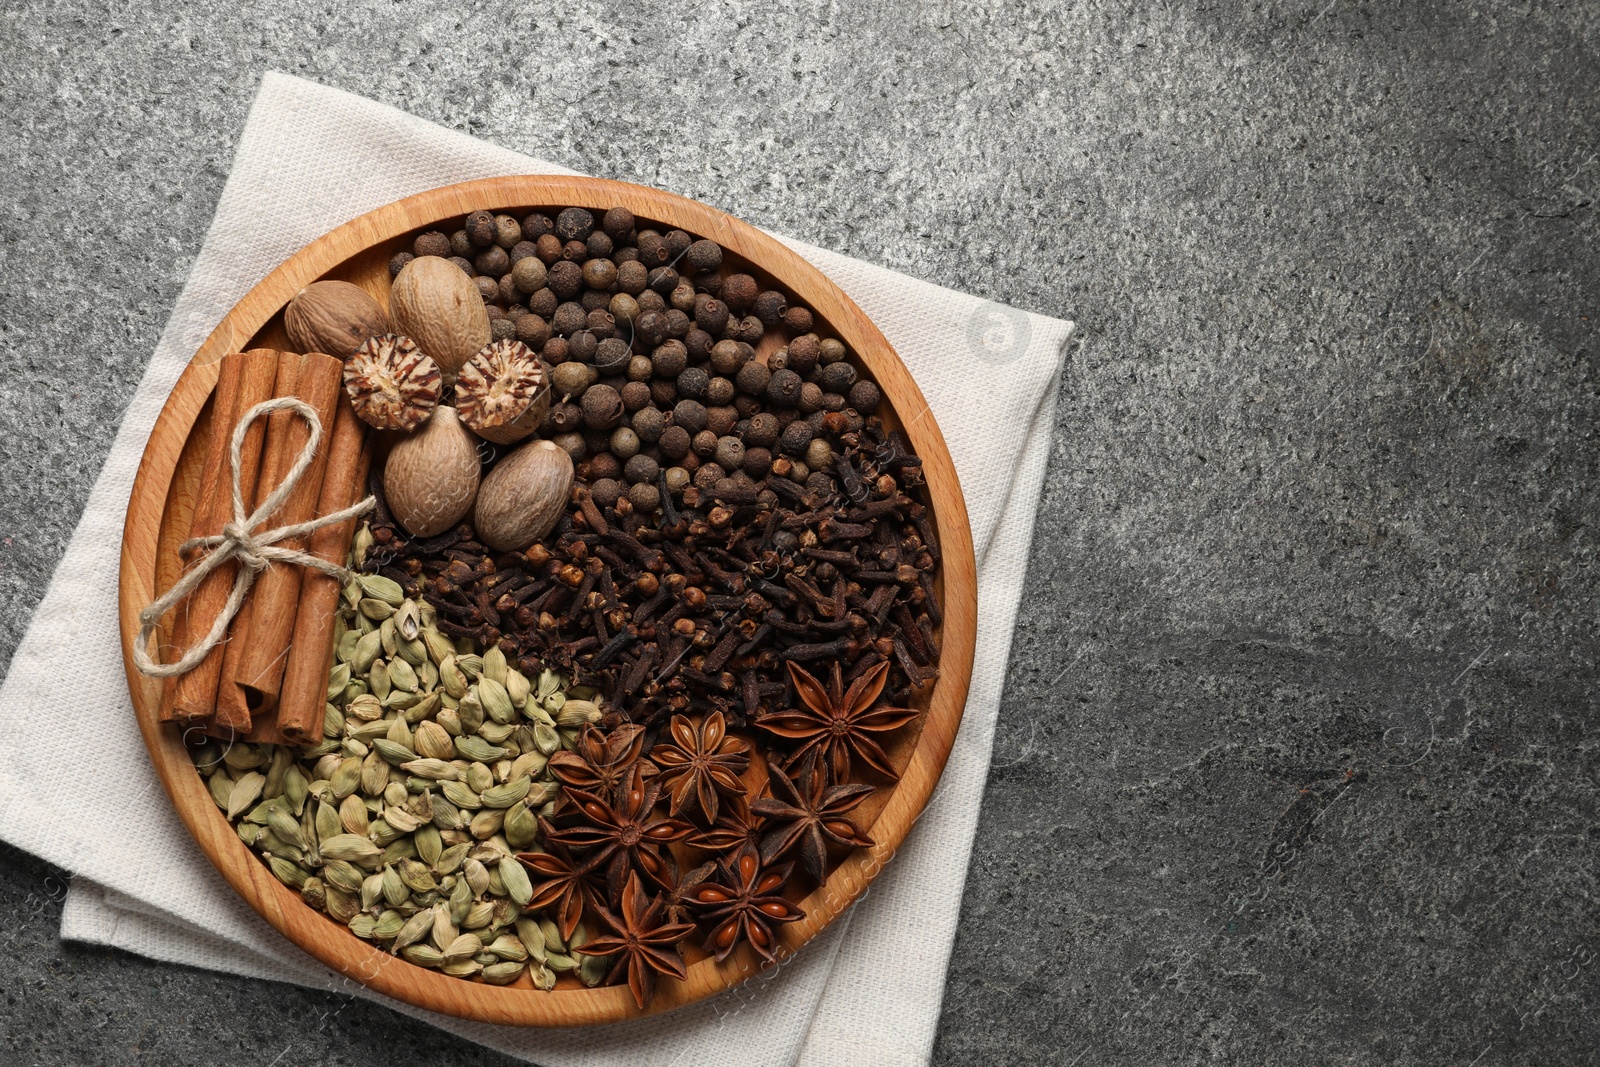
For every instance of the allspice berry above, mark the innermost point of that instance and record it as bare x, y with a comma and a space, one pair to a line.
865, 396
704, 255
599, 274
730, 452
837, 377
763, 430
748, 329
508, 231
770, 307
650, 327
711, 315
612, 356
529, 274
830, 350
576, 251
753, 379
720, 391
803, 354
649, 423
652, 249
739, 292
536, 226
461, 244
532, 331
602, 407
644, 497
810, 398
398, 261
481, 230
572, 379
618, 223
798, 319
569, 319
669, 359
632, 277
636, 394
605, 465
574, 224
689, 414
548, 248
705, 444
784, 388
641, 468
625, 445
639, 371
693, 382
543, 301
757, 461
674, 442
796, 437
599, 245
565, 279
624, 308
605, 491
432, 243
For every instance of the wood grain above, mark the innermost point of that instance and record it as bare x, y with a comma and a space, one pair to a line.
358, 252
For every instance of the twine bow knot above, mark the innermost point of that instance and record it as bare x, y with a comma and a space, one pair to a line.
241, 542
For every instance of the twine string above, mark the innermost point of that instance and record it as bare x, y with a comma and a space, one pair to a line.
240, 542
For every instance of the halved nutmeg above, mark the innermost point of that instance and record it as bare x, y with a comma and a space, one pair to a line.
503, 392
392, 383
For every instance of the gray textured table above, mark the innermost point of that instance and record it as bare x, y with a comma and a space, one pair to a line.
1298, 757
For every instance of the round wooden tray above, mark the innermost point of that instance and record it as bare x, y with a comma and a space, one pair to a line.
163, 501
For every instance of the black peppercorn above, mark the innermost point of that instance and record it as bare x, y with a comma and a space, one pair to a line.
673, 441
599, 274
582, 345
784, 388
669, 359
693, 382
611, 356
605, 491
566, 279
618, 223
533, 331
865, 395
711, 315
650, 327
461, 244
794, 439
523, 250
432, 243
574, 224
548, 248
704, 255
488, 288
836, 377
507, 231
464, 264
398, 261
689, 414
536, 226
602, 408
770, 307
481, 229
601, 324
543, 302
599, 245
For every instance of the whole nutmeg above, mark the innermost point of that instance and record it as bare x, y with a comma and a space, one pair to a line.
865, 395
572, 379
602, 407
480, 227
523, 496
431, 477
392, 385
739, 292
574, 224
704, 255
440, 308
334, 318
501, 393
770, 307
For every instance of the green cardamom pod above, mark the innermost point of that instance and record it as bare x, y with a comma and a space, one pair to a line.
281, 760
507, 794
531, 936
445, 930
362, 926
347, 779
450, 722
393, 752
377, 587
286, 826
495, 700
314, 894
395, 890
517, 687
521, 828
429, 845
422, 956
402, 676
477, 876
221, 787
400, 849
545, 738
367, 650
478, 777
288, 873
530, 764
461, 795
342, 874
497, 733
244, 793
374, 609
478, 750
487, 823
351, 848
470, 664
338, 678
433, 742
559, 962
415, 929
453, 678
518, 887
417, 877
470, 711
450, 860
341, 906
439, 648
544, 979
249, 833
401, 819
245, 757
552, 937
446, 816
374, 775
436, 769
508, 947
390, 923
575, 713
480, 915
460, 901
502, 973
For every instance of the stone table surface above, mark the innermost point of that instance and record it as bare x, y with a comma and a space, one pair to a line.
1298, 759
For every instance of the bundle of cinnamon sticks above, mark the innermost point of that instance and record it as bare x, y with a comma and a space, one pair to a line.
268, 681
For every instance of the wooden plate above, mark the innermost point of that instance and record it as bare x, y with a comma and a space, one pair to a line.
359, 251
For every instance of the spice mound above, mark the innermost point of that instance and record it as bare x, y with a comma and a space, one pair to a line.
645, 617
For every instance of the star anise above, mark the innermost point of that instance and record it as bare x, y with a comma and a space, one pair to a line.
599, 762
808, 813
745, 904
703, 762
734, 826
676, 900
569, 885
643, 943
621, 834
835, 723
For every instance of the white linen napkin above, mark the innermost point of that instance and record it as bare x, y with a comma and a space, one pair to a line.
867, 989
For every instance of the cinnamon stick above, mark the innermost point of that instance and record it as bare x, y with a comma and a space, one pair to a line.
305, 680
244, 380
252, 674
